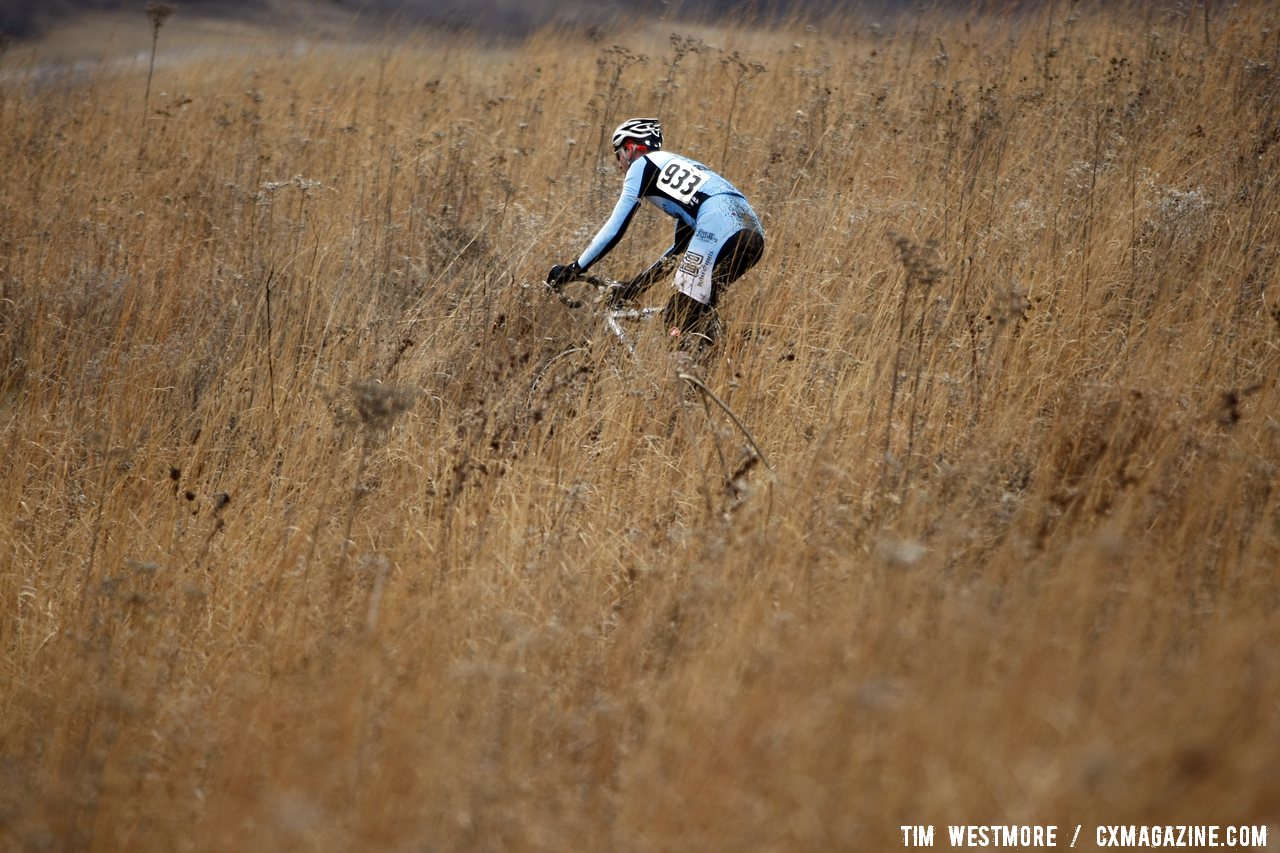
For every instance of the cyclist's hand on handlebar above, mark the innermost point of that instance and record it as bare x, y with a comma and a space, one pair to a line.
562, 274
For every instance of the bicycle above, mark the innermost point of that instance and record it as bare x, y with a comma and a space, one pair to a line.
605, 289
564, 376
571, 368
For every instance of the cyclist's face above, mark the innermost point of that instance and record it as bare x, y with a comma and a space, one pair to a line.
627, 154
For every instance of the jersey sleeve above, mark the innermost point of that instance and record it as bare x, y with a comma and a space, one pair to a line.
623, 211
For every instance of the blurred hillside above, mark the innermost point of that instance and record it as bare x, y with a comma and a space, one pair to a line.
23, 19
75, 31
28, 20
62, 34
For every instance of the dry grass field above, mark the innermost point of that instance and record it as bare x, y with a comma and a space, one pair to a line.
297, 552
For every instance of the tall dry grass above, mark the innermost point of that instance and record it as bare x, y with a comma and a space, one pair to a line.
298, 555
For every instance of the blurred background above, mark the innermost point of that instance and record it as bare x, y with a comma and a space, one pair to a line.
56, 34
24, 19
55, 23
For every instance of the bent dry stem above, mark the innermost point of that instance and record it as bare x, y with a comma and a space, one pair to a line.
708, 394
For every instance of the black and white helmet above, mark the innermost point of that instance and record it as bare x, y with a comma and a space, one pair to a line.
646, 131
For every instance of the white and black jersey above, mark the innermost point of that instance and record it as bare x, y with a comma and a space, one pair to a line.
716, 229
678, 186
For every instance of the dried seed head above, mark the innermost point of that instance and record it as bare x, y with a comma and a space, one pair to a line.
159, 13
921, 262
378, 404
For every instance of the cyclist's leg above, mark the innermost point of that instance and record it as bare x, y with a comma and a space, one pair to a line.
743, 248
688, 307
739, 254
726, 244
685, 315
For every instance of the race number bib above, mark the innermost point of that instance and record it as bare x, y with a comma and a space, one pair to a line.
680, 179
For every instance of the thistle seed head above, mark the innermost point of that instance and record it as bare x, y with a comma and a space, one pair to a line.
378, 405
159, 13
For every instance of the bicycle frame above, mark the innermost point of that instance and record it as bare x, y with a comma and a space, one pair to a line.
612, 316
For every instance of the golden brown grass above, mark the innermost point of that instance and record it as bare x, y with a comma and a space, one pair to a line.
294, 558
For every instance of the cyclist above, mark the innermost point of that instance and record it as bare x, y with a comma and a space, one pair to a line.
717, 232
